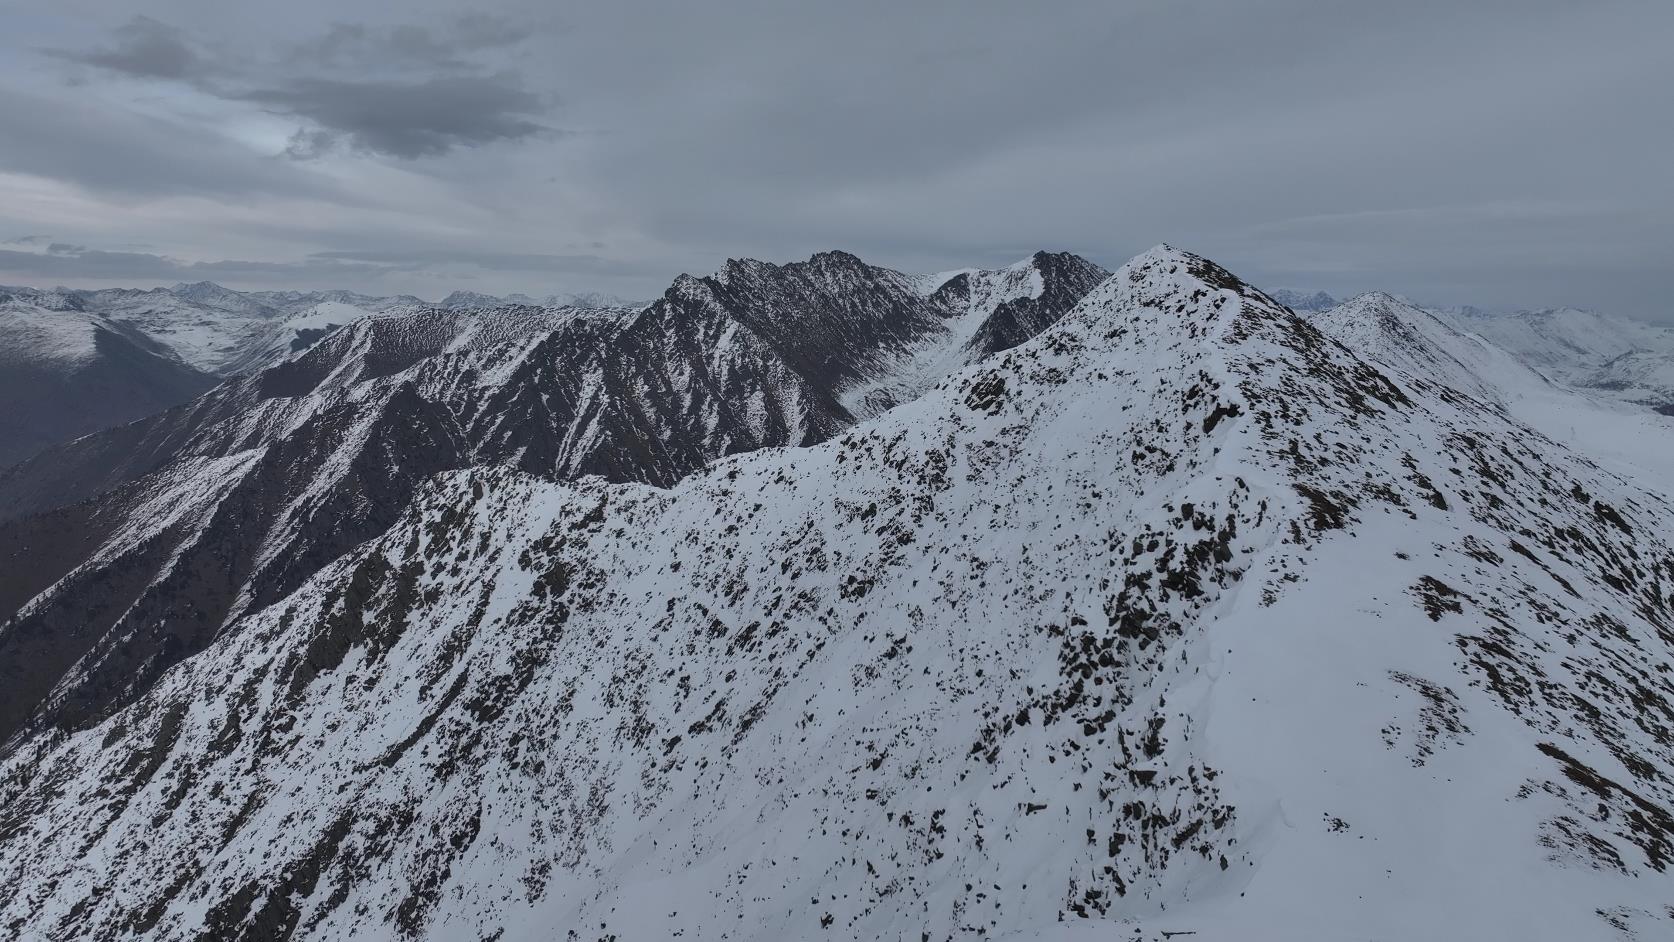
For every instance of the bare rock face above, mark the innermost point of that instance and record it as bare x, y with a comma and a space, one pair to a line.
1179, 613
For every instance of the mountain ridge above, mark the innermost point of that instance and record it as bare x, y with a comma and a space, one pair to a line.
1023, 650
325, 449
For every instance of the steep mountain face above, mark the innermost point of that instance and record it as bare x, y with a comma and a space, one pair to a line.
977, 314
65, 373
1179, 614
130, 550
591, 300
290, 334
1614, 356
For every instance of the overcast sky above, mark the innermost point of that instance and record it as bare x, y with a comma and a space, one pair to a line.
1504, 154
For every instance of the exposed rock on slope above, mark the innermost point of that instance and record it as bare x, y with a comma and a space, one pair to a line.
311, 457
1179, 613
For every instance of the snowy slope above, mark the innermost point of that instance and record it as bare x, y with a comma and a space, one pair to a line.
65, 373
1621, 358
206, 325
1641, 375
1428, 347
591, 300
215, 329
1179, 615
288, 335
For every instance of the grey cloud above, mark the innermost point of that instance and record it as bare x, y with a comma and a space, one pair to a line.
98, 265
308, 144
137, 155
72, 264
410, 120
145, 48
440, 100
348, 44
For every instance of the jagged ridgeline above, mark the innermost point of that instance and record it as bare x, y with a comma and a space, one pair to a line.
1179, 613
139, 545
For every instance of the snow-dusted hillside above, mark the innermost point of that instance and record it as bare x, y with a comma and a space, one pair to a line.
287, 335
217, 330
1642, 375
1427, 345
592, 300
65, 372
1179, 615
1614, 356
322, 452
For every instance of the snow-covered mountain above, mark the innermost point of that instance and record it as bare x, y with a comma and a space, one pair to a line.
1428, 345
1180, 614
208, 327
593, 300
217, 330
289, 334
131, 549
65, 372
1302, 300
1613, 356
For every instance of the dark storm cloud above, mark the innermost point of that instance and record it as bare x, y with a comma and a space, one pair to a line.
132, 154
407, 119
145, 48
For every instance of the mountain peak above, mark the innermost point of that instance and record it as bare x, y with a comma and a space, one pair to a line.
202, 291
836, 257
1380, 299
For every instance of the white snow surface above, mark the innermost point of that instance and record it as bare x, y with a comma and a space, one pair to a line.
1614, 357
1180, 618
286, 337
33, 335
1428, 346
226, 332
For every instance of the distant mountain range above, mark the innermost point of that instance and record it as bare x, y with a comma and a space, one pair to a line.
77, 361
823, 601
1616, 357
